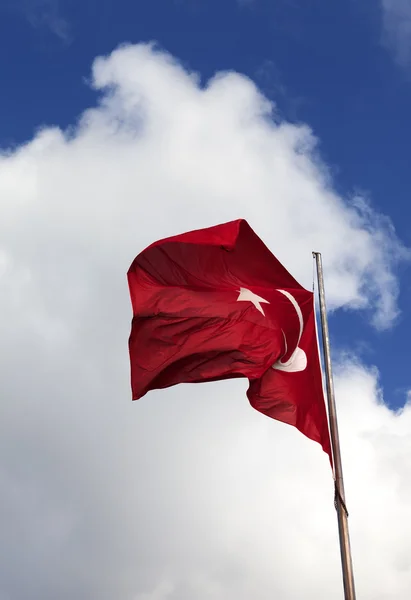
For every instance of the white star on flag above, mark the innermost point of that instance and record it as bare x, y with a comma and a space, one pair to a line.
248, 296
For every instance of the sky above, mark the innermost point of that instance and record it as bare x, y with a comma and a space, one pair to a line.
122, 123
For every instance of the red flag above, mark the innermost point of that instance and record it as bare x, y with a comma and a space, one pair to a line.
216, 304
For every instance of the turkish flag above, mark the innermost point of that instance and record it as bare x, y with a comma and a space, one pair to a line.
216, 304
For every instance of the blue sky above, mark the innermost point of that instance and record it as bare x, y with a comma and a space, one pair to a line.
109, 143
324, 64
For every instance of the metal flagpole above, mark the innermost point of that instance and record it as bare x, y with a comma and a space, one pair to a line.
342, 514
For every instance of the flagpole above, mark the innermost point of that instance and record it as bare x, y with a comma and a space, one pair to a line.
342, 514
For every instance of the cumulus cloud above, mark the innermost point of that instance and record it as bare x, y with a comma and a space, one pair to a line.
188, 493
397, 28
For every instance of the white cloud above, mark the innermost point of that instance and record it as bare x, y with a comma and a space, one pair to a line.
42, 14
397, 28
188, 493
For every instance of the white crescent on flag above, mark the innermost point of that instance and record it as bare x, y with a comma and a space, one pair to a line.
298, 359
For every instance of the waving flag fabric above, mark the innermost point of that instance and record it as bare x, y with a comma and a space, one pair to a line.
216, 304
